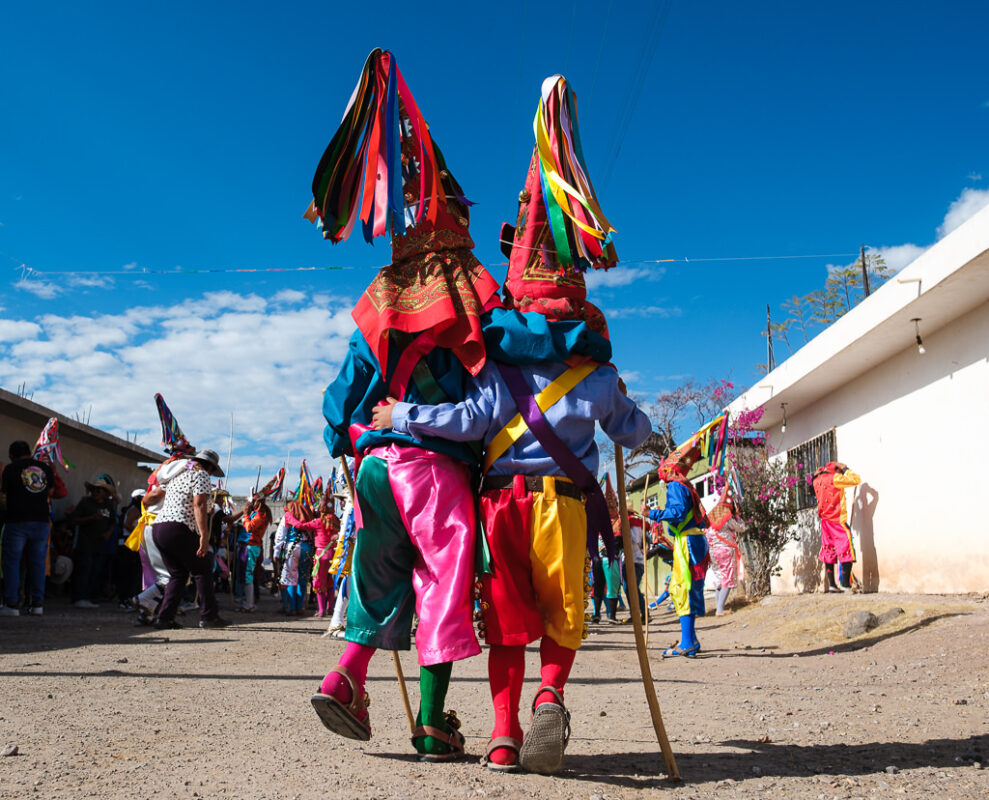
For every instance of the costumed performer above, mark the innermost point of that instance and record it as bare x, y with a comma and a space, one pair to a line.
295, 549
324, 527
726, 556
686, 520
535, 404
256, 519
830, 482
418, 338
339, 569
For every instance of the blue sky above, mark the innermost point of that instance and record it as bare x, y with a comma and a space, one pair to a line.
157, 137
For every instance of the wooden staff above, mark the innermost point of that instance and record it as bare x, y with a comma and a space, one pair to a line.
645, 559
394, 653
640, 645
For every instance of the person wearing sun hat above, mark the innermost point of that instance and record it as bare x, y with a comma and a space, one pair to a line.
181, 533
534, 405
93, 517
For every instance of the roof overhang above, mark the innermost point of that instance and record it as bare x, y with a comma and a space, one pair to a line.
28, 411
945, 282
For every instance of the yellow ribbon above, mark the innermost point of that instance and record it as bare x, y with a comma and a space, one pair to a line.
517, 426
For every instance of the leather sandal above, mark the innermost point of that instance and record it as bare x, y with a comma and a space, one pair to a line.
452, 738
548, 735
351, 720
508, 743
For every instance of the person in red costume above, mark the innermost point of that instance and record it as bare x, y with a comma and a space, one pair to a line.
830, 482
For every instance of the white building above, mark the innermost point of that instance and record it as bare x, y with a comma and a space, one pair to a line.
914, 425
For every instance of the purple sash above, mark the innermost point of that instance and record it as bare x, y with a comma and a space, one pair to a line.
598, 518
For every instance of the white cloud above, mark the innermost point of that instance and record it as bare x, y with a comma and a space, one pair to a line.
210, 356
661, 312
14, 330
968, 203
975, 176
899, 256
130, 265
288, 297
43, 289
621, 276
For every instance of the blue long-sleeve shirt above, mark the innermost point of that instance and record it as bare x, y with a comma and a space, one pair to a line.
489, 405
678, 505
359, 386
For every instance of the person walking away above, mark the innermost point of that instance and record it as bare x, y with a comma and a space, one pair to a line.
184, 514
28, 486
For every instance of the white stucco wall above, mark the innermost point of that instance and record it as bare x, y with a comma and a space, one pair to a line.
916, 428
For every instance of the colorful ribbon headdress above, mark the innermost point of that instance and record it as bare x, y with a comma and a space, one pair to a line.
363, 173
383, 167
273, 488
560, 231
578, 225
305, 495
172, 438
48, 448
710, 442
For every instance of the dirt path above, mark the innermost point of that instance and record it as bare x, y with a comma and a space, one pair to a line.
779, 706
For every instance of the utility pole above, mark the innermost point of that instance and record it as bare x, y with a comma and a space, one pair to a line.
865, 272
770, 358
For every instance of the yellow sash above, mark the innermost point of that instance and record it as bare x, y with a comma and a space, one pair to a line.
552, 394
133, 542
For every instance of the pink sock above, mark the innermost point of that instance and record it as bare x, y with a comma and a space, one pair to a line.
355, 658
321, 604
506, 671
557, 662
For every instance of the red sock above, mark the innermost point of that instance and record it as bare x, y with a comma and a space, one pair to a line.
506, 671
355, 658
556, 662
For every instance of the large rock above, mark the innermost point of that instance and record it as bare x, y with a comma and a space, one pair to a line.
860, 622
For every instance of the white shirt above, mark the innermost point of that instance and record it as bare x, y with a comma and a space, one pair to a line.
178, 505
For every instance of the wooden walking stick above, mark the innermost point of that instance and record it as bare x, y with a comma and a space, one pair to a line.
640, 645
394, 653
645, 560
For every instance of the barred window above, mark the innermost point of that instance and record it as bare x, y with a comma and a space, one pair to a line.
811, 454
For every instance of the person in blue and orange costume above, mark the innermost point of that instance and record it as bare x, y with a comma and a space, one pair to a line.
419, 339
256, 520
686, 520
535, 404
830, 482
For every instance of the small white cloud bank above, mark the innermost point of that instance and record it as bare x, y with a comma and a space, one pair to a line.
968, 204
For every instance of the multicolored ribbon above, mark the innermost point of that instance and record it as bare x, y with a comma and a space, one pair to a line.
48, 448
273, 488
172, 438
579, 228
362, 175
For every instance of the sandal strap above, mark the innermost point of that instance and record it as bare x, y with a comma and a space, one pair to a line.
357, 706
453, 739
502, 741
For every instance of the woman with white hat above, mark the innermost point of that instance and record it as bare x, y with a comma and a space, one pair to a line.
181, 532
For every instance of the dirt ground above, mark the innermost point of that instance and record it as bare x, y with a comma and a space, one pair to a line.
779, 705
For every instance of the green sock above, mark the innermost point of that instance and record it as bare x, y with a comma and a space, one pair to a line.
434, 681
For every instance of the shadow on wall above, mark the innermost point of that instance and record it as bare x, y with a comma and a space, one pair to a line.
805, 566
864, 510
